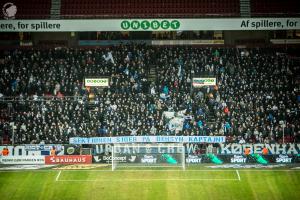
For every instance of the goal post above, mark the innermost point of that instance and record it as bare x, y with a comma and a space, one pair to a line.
148, 155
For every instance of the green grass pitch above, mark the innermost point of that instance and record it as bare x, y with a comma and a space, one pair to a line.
137, 184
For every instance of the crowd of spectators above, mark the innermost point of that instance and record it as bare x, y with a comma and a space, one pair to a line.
42, 92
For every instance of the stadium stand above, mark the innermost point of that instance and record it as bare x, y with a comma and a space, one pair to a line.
157, 8
256, 92
150, 99
275, 8
33, 9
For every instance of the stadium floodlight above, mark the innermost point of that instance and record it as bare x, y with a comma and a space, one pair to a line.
148, 155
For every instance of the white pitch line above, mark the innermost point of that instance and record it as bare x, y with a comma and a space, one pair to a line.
160, 179
238, 174
58, 175
157, 170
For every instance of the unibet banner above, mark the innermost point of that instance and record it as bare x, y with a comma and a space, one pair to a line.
147, 139
74, 25
199, 82
150, 24
96, 82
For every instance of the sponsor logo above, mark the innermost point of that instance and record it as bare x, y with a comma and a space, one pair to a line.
108, 159
97, 158
70, 150
132, 158
214, 159
238, 159
256, 166
283, 159
9, 10
259, 158
150, 24
148, 159
70, 159
193, 159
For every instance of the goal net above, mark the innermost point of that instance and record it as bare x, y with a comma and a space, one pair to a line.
148, 155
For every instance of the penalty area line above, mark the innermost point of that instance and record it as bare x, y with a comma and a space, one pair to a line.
58, 175
157, 170
160, 179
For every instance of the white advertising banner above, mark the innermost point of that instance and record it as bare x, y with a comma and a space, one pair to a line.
199, 82
147, 139
22, 160
96, 82
149, 24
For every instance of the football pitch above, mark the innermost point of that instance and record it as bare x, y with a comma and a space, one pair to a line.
145, 183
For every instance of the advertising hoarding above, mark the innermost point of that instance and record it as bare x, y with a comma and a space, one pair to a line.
69, 159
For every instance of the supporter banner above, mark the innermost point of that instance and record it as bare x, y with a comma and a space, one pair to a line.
233, 148
70, 159
22, 160
190, 148
199, 82
96, 82
147, 139
149, 24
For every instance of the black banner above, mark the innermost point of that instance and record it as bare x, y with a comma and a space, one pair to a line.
190, 148
140, 158
71, 149
200, 158
242, 159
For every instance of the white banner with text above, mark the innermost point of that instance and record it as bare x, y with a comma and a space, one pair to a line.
22, 160
149, 24
147, 139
